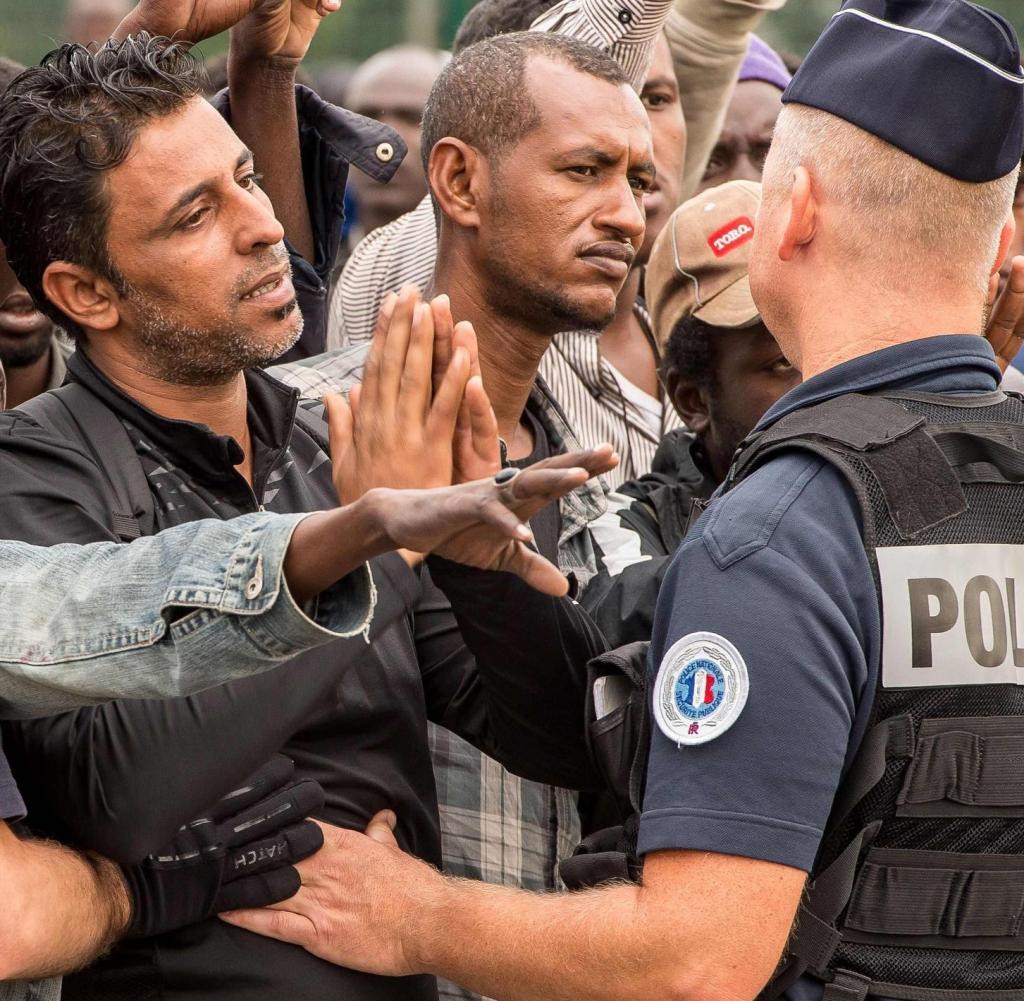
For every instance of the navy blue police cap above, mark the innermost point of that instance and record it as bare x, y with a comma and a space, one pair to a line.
939, 79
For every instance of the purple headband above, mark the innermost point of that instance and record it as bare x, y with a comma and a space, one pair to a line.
762, 62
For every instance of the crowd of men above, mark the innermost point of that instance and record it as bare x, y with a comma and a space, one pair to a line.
513, 523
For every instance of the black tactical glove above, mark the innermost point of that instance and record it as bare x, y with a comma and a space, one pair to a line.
240, 854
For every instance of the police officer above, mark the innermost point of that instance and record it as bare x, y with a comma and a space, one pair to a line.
838, 645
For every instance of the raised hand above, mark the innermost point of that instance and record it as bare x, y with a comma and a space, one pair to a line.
476, 452
280, 31
482, 524
284, 27
395, 431
525, 493
1005, 330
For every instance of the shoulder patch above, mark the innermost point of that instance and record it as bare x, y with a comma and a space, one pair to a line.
701, 689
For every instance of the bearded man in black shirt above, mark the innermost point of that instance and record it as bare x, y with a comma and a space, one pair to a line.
142, 227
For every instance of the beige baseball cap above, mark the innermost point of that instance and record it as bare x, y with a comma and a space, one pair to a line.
698, 265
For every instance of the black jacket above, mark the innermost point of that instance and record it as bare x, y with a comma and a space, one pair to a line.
120, 778
657, 508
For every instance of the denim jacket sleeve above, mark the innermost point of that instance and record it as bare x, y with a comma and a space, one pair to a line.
171, 614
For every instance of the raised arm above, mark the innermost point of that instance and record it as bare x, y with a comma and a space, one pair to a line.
709, 39
266, 49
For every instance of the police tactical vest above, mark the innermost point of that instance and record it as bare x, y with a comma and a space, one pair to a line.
918, 889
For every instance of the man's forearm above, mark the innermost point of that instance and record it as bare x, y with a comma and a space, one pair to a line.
708, 39
264, 117
559, 947
331, 544
171, 614
61, 909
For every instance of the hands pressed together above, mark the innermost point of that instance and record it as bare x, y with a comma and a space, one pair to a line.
419, 440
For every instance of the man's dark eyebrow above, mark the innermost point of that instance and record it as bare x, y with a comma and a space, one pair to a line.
644, 167
599, 156
659, 81
193, 193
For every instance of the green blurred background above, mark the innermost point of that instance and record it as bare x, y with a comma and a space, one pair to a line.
28, 28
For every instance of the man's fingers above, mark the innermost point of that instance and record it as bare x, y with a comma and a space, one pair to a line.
396, 346
340, 427
595, 460
536, 571
483, 424
465, 335
416, 389
371, 367
382, 829
285, 926
534, 489
448, 400
441, 308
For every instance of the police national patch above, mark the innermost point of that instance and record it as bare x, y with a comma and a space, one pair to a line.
701, 688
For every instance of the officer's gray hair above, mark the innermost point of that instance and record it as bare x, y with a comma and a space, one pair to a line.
897, 204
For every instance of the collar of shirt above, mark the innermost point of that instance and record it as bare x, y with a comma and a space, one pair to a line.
587, 502
60, 352
376, 149
949, 363
271, 417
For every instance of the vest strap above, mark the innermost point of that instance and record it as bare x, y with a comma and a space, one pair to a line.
966, 767
847, 987
892, 738
938, 900
920, 487
982, 459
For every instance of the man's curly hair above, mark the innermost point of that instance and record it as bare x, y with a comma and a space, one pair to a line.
63, 125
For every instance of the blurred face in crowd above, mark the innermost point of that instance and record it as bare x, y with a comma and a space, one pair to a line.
1017, 246
25, 333
393, 87
742, 147
747, 374
562, 217
660, 97
206, 285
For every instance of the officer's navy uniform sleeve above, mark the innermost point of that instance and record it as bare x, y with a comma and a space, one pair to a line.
778, 569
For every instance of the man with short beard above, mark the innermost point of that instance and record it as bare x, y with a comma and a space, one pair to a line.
168, 265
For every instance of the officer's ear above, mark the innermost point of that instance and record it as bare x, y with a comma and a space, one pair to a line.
802, 223
1005, 239
454, 173
689, 399
81, 294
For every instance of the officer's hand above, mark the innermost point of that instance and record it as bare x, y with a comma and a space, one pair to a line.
395, 430
1005, 330
240, 854
359, 904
